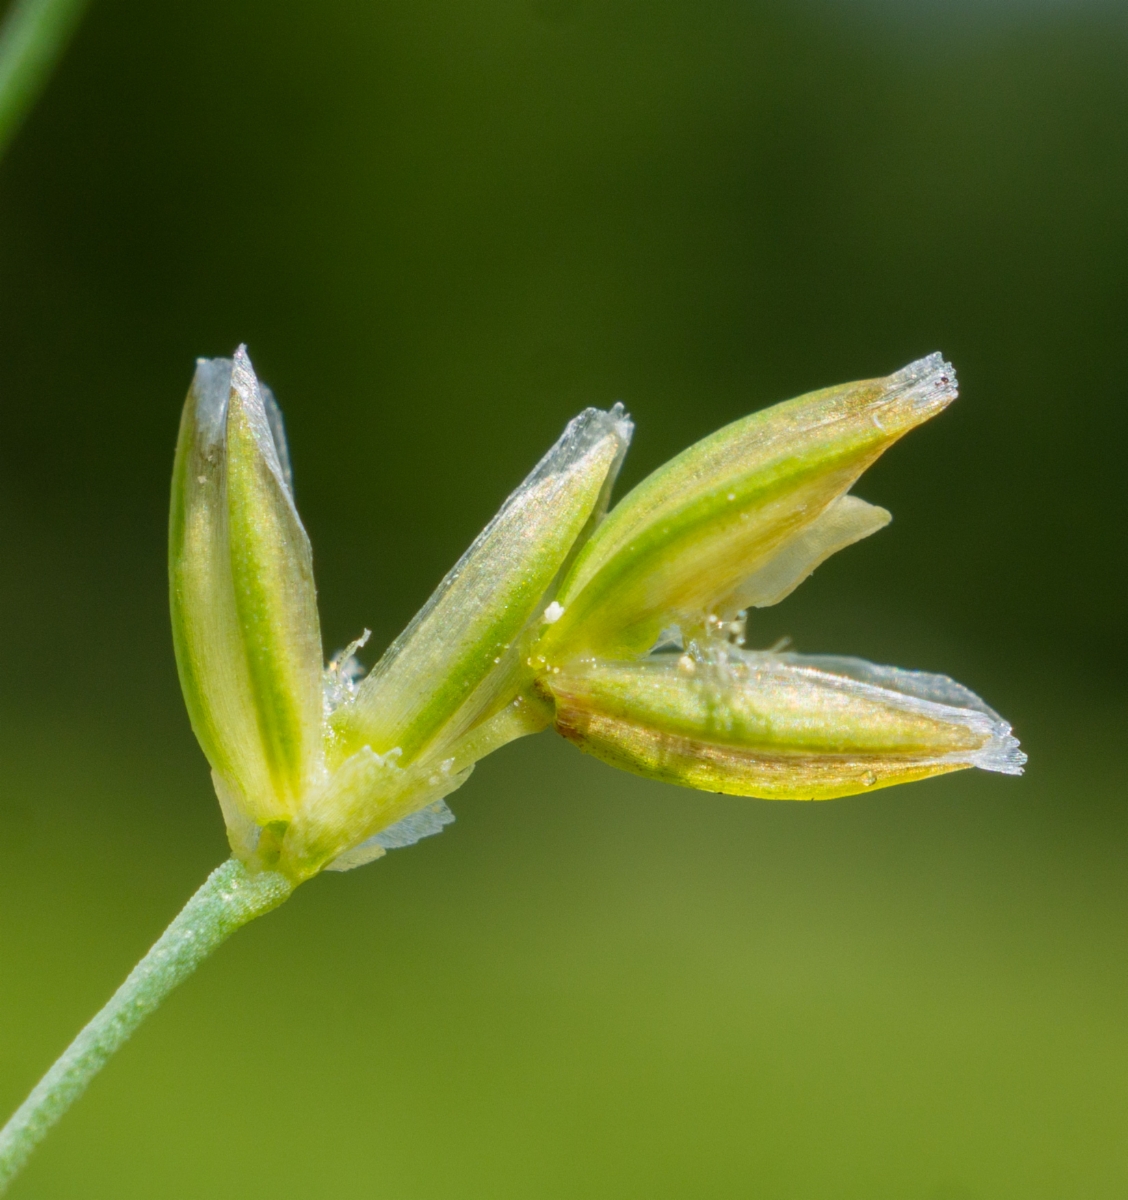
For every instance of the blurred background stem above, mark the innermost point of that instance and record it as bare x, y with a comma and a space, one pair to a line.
33, 36
229, 898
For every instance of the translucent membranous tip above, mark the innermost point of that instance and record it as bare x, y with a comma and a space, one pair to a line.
209, 397
927, 383
278, 433
406, 832
581, 435
931, 695
842, 523
342, 675
211, 386
264, 419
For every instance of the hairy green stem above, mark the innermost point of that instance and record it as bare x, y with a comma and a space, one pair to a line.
230, 897
33, 36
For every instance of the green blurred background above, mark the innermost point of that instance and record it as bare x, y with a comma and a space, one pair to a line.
443, 229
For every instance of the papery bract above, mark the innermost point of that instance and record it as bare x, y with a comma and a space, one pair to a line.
683, 543
428, 687
244, 611
778, 726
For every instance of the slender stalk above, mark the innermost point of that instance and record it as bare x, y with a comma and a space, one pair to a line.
33, 36
230, 898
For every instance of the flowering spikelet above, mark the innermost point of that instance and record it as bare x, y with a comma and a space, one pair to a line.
623, 629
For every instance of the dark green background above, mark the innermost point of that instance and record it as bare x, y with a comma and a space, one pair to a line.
443, 228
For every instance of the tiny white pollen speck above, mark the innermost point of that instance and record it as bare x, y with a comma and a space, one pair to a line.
553, 613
